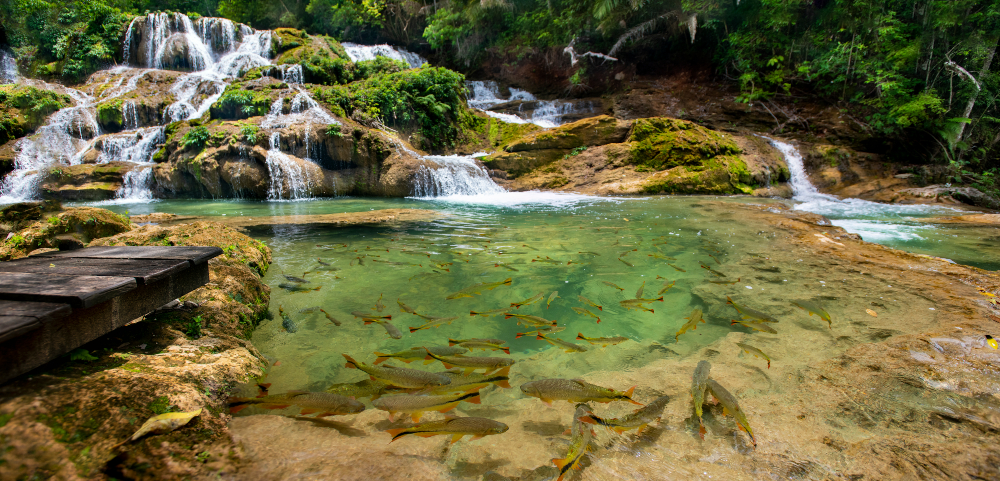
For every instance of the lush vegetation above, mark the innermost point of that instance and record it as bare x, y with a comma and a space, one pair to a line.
23, 108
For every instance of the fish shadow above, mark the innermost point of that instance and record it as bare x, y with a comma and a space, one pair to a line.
544, 428
343, 428
463, 469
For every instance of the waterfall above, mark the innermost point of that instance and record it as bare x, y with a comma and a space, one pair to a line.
549, 113
288, 180
8, 68
137, 186
485, 94
802, 189
369, 52
136, 147
455, 175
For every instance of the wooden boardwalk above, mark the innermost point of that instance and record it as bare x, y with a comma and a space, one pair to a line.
55, 302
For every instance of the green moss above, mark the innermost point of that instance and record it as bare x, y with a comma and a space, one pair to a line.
160, 405
496, 134
661, 143
5, 418
24, 108
237, 103
722, 175
110, 116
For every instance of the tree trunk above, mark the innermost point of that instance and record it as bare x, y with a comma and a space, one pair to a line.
972, 100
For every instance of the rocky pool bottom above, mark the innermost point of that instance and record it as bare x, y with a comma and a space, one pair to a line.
907, 392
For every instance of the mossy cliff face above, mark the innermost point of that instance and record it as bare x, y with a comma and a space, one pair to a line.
84, 182
66, 419
24, 108
655, 156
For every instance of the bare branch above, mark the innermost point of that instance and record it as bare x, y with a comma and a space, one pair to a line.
575, 57
962, 73
638, 31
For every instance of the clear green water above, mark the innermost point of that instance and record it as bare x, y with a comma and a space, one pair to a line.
582, 242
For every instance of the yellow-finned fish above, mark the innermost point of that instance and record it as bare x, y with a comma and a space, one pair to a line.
491, 312
479, 288
712, 271
699, 385
638, 303
626, 262
731, 406
582, 437
603, 341
638, 294
661, 256
756, 352
692, 323
585, 312
666, 287
418, 353
362, 388
726, 283
484, 344
461, 382
637, 419
677, 268
399, 376
531, 300
455, 426
470, 363
552, 297
415, 405
813, 308
590, 303
530, 320
438, 322
406, 308
612, 284
330, 318
547, 330
379, 306
565, 345
325, 404
755, 325
749, 313
573, 390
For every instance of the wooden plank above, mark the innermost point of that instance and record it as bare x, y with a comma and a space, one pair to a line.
19, 318
77, 291
196, 255
144, 271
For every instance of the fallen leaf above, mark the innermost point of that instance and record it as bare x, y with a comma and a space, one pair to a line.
164, 423
873, 313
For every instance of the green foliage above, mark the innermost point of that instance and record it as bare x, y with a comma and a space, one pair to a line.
426, 100
196, 137
16, 241
333, 130
81, 355
236, 103
24, 108
249, 133
110, 116
161, 405
5, 418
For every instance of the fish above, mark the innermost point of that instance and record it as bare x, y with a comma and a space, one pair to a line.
470, 363
636, 419
363, 388
726, 283
661, 256
756, 352
638, 294
692, 323
699, 385
491, 312
590, 303
547, 330
291, 287
588, 252
638, 303
625, 253
552, 297
579, 445
416, 404
462, 382
585, 312
713, 258
479, 288
757, 326
666, 287
992, 342
732, 406
286, 321
418, 353
528, 301
565, 345
505, 266
676, 268
603, 341
399, 376
322, 262
813, 308
529, 247
365, 315
749, 313
573, 390
612, 284
455, 426
298, 280
379, 306
530, 320
383, 321
326, 404
712, 271
626, 262
484, 344
309, 310
330, 318
405, 307
433, 323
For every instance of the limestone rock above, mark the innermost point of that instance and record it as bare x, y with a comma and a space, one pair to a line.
85, 181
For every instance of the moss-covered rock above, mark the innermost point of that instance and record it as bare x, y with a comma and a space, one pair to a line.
481, 132
84, 182
24, 108
243, 100
543, 147
110, 116
84, 223
661, 143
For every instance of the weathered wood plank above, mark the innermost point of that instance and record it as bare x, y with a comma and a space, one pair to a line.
196, 255
144, 271
77, 291
19, 318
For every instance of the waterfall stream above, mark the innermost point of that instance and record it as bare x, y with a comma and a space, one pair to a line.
8, 68
369, 52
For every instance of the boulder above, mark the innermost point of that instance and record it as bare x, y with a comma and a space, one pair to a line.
84, 182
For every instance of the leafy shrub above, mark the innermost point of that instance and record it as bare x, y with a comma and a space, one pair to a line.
249, 133
236, 103
196, 137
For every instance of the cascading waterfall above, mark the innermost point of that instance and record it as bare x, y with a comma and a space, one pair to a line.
485, 94
137, 185
8, 68
369, 52
455, 175
289, 181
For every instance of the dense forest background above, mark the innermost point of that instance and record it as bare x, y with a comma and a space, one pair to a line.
915, 71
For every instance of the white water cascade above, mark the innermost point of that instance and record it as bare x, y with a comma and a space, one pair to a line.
485, 94
455, 175
369, 52
8, 68
137, 186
